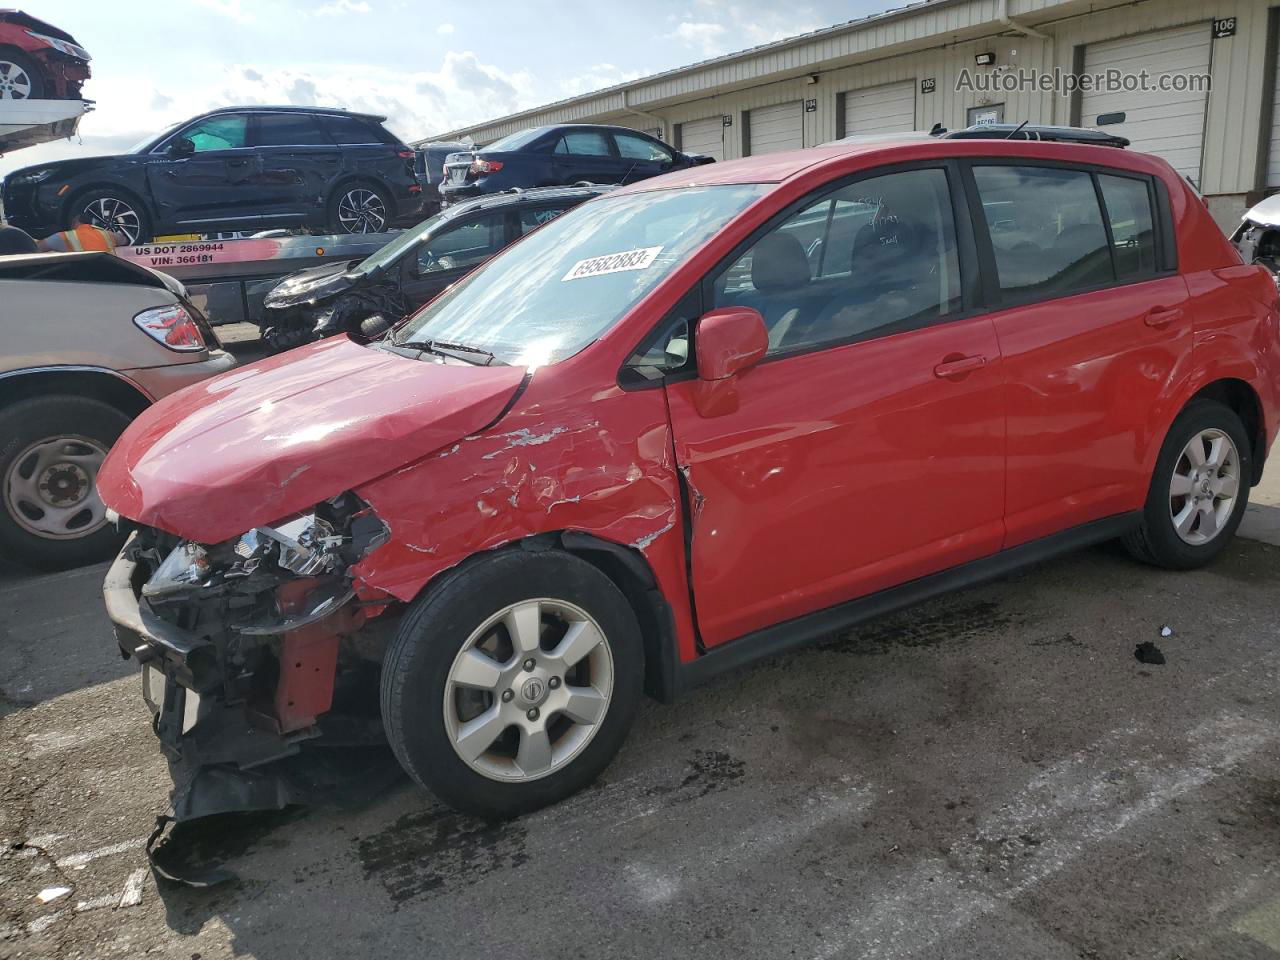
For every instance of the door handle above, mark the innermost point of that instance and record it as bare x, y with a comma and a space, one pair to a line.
954, 369
1162, 316
238, 163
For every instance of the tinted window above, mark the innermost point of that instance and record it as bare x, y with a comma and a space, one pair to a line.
638, 148
1046, 229
349, 130
1133, 235
587, 143
224, 132
872, 257
463, 245
531, 219
287, 130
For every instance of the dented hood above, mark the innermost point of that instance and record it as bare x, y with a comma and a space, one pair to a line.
270, 439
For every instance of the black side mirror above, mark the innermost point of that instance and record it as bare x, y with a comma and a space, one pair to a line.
182, 147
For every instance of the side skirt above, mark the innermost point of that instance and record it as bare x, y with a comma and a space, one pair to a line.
801, 631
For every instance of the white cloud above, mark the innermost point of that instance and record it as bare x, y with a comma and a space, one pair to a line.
707, 38
597, 77
228, 8
337, 8
444, 29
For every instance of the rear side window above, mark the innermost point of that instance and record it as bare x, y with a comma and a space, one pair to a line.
873, 258
287, 130
1133, 235
349, 130
1046, 229
584, 143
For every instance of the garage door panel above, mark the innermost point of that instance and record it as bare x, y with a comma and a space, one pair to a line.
889, 108
1169, 124
704, 136
779, 127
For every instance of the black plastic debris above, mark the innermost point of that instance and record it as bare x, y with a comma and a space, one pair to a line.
1148, 652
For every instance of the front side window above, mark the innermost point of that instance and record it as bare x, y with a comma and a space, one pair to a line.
584, 143
224, 132
1133, 235
287, 130
638, 148
463, 245
565, 285
1046, 230
867, 260
531, 218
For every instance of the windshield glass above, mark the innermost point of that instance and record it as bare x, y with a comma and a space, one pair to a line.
151, 140
564, 285
407, 238
516, 140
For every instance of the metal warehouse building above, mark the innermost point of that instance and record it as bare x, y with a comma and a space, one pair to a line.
898, 71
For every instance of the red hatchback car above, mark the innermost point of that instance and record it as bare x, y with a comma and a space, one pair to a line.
694, 422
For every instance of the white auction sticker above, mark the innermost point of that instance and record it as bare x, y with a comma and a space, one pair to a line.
636, 259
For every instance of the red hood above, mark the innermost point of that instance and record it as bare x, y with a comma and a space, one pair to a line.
270, 439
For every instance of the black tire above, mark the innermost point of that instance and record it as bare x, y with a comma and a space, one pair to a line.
26, 423
27, 66
1156, 541
137, 228
335, 212
418, 661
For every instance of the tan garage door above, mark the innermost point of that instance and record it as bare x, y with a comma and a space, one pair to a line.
703, 136
1169, 124
779, 127
890, 108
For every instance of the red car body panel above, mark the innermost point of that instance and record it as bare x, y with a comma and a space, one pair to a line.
64, 72
811, 480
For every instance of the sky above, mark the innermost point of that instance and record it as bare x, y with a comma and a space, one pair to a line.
427, 66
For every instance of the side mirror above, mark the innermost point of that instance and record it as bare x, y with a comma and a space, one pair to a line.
729, 341
182, 147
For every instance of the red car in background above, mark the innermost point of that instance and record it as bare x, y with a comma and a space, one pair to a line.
697, 421
38, 61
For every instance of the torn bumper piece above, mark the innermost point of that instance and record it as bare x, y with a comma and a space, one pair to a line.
253, 698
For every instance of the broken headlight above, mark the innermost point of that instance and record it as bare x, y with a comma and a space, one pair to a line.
306, 545
187, 565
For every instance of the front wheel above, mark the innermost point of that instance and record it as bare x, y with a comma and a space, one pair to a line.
1199, 491
359, 208
512, 684
114, 211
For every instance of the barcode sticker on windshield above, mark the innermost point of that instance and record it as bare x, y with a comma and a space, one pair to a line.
636, 259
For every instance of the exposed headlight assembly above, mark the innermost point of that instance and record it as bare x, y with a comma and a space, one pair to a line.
305, 545
186, 566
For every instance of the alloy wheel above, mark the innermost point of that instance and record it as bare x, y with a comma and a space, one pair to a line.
361, 211
50, 488
528, 690
114, 214
15, 84
1204, 487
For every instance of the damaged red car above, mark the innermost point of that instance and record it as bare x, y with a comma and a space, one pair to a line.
700, 420
38, 61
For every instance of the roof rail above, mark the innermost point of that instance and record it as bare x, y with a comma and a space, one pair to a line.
1011, 131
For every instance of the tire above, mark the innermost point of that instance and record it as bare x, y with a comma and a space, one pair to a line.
117, 210
422, 708
1157, 540
359, 207
21, 78
35, 529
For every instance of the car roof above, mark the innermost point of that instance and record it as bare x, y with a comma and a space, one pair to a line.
491, 201
782, 166
262, 108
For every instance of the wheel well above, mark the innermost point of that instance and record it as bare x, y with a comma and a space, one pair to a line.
97, 385
115, 188
1242, 399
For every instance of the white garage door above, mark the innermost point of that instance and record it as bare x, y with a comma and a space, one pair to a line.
775, 128
890, 108
703, 136
1169, 124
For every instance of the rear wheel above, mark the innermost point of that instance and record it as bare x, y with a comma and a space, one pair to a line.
51, 449
512, 684
1199, 491
20, 76
359, 208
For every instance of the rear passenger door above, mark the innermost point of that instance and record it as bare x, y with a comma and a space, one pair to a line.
1092, 320
867, 449
586, 155
299, 163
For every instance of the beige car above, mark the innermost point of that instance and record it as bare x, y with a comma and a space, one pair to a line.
87, 341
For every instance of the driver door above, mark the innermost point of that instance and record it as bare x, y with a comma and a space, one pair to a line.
448, 256
209, 188
868, 447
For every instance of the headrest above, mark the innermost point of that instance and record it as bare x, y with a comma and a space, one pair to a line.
778, 263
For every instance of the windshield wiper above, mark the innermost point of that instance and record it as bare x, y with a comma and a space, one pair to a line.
459, 351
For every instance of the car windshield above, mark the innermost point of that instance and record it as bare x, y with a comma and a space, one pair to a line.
147, 143
516, 140
385, 255
563, 286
